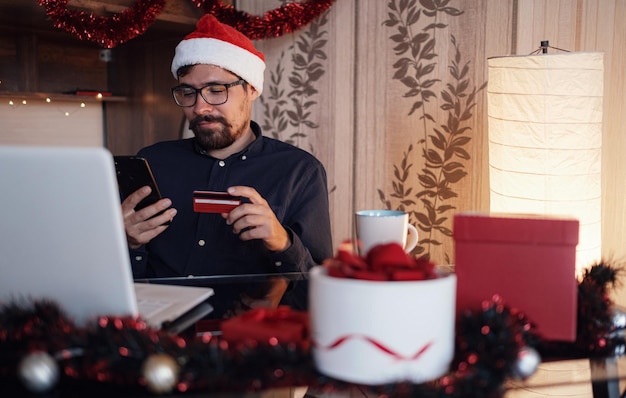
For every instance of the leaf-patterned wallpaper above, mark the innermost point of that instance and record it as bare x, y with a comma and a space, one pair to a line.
391, 96
290, 96
422, 180
437, 157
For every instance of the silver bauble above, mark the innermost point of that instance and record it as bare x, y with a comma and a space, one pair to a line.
528, 360
38, 371
161, 373
618, 320
617, 333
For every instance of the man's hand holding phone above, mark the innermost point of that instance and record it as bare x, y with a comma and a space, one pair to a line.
143, 208
145, 224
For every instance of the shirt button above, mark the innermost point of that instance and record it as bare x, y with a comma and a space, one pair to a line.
278, 263
201, 242
138, 258
222, 163
244, 157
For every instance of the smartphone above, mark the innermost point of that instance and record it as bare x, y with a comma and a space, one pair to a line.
133, 172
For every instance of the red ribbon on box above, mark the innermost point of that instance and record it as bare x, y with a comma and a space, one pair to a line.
268, 325
385, 262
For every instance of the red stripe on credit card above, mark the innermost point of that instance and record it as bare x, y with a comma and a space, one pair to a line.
214, 202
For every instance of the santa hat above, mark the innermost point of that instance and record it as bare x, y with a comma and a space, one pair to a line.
215, 43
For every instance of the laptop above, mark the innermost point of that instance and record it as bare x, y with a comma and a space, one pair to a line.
62, 239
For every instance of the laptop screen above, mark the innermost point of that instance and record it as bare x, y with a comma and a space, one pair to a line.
61, 229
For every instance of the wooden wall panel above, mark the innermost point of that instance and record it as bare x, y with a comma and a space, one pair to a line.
341, 112
429, 146
9, 68
613, 37
326, 98
372, 135
140, 71
81, 64
58, 123
614, 146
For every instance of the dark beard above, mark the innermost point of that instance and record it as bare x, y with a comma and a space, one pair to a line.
210, 139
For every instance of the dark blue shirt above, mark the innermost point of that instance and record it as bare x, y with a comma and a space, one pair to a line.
290, 179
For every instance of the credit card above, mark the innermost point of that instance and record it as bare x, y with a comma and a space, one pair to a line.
214, 202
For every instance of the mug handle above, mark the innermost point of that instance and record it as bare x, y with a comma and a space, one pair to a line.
411, 238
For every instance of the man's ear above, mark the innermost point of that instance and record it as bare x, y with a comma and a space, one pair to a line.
254, 94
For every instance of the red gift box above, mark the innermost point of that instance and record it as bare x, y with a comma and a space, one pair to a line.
528, 260
265, 325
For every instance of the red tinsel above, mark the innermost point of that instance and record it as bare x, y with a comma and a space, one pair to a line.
274, 23
134, 21
105, 31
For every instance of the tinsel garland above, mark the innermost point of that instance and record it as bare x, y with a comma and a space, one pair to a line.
274, 23
594, 323
108, 32
596, 333
124, 353
488, 348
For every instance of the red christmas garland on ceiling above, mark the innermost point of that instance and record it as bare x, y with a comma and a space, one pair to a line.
135, 20
105, 31
274, 23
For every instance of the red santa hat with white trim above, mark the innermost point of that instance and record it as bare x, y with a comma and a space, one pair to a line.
215, 43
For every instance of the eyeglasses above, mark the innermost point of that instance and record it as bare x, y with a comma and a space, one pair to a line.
213, 94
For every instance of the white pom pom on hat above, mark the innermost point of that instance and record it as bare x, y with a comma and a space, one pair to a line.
215, 43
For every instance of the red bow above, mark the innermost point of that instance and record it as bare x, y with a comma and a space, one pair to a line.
281, 313
268, 325
385, 262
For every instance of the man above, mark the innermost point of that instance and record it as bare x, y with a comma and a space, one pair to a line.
283, 222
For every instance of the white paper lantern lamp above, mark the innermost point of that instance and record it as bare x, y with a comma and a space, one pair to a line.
545, 140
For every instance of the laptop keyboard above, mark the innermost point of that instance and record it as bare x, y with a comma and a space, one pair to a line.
148, 307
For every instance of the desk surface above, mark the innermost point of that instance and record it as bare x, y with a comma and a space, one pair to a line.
571, 378
211, 280
229, 290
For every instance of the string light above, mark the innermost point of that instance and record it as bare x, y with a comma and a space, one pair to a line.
62, 106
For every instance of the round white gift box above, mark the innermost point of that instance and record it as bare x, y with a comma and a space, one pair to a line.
373, 332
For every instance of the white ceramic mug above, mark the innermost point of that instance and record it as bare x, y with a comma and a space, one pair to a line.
375, 227
360, 335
